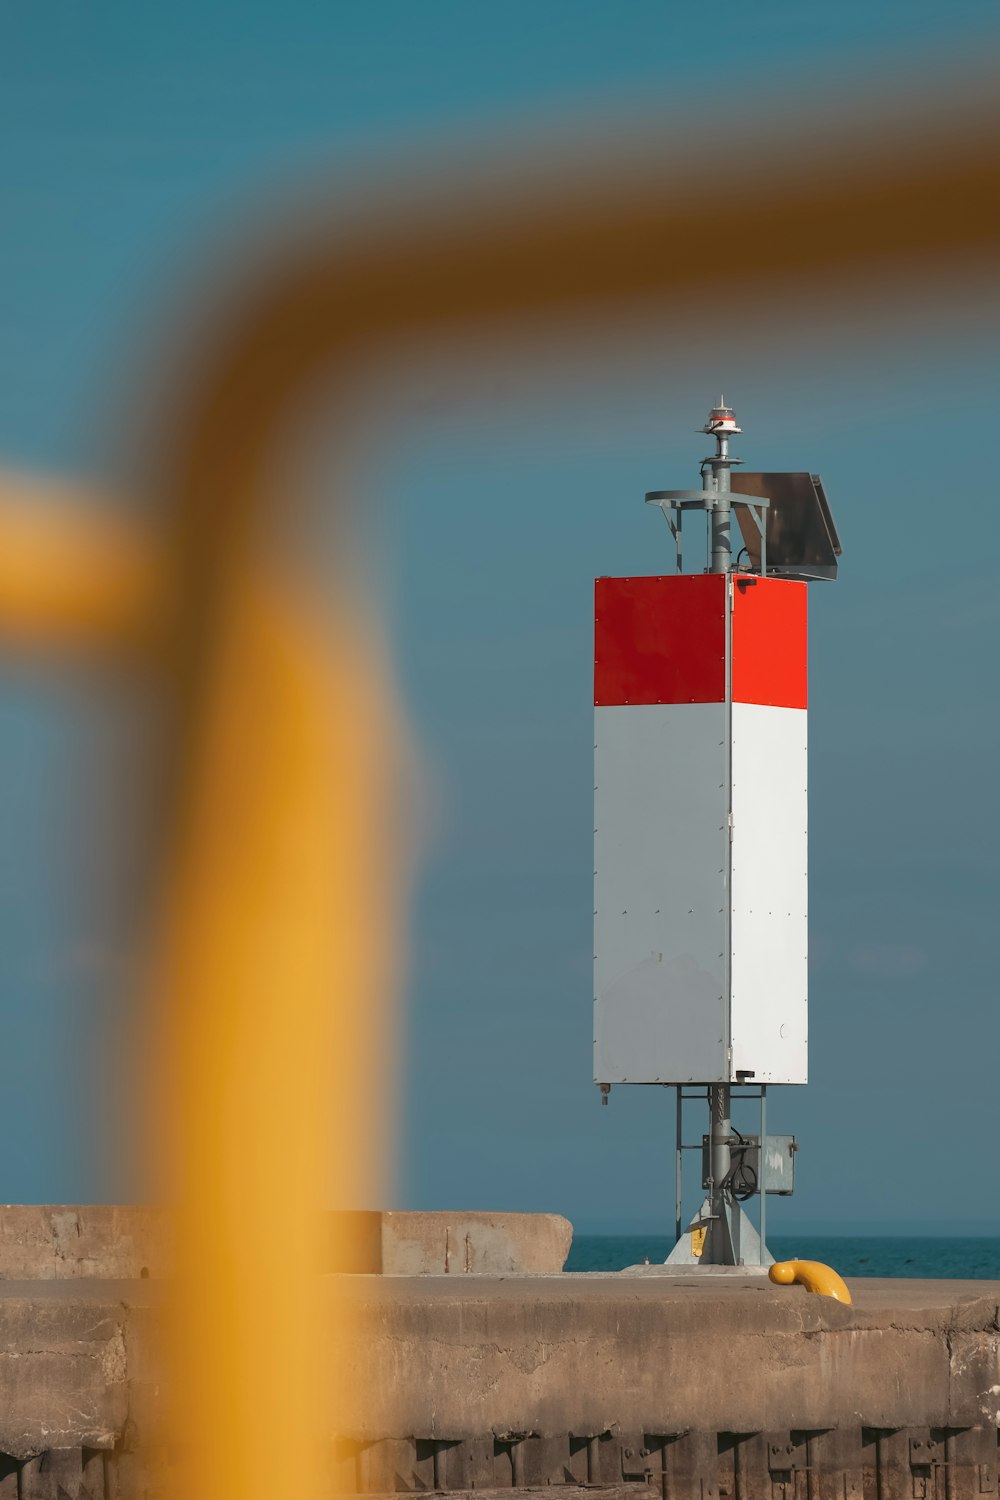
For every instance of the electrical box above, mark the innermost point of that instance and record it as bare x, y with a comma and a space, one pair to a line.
779, 1162
700, 886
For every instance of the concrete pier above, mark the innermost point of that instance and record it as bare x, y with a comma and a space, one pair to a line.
699, 1388
691, 1387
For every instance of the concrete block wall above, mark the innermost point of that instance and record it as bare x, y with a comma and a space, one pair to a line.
615, 1387
117, 1242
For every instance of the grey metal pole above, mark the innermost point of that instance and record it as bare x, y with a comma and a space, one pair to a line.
719, 1094
679, 1165
720, 1107
722, 551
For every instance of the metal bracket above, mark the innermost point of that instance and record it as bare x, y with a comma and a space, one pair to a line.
759, 513
785, 1459
923, 1460
782, 1456
676, 502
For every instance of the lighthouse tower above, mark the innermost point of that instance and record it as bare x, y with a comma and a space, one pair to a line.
701, 890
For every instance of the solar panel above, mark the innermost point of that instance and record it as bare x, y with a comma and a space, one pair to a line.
802, 540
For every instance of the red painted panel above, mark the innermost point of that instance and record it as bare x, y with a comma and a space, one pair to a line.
660, 640
770, 641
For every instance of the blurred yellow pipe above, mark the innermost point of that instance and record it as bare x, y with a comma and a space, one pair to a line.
813, 1275
73, 574
277, 950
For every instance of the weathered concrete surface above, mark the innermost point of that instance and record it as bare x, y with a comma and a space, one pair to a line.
108, 1241
419, 1244
64, 1366
113, 1242
696, 1387
456, 1358
590, 1354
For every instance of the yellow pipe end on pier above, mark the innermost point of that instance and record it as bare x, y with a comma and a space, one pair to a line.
813, 1275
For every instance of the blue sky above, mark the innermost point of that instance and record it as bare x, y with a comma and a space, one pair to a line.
133, 135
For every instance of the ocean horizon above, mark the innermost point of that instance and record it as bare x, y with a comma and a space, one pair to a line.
937, 1257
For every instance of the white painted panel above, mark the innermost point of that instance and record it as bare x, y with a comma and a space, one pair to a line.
769, 893
660, 921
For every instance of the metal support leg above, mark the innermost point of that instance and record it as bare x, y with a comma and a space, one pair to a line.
761, 1186
679, 1164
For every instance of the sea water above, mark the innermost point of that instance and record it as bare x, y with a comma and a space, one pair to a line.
951, 1258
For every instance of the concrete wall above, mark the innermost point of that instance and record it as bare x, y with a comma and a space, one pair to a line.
64, 1370
692, 1387
417, 1244
56, 1242
597, 1353
700, 1388
119, 1241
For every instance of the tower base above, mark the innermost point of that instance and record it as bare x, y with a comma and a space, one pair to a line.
725, 1242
